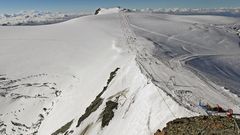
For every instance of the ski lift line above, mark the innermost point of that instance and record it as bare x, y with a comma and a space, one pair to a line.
126, 28
165, 101
130, 34
131, 37
165, 83
166, 104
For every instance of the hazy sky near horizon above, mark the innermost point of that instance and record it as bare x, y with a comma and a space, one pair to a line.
89, 5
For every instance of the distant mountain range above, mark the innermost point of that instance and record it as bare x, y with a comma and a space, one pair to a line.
234, 12
35, 18
40, 17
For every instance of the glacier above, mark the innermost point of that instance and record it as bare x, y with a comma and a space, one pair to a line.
60, 78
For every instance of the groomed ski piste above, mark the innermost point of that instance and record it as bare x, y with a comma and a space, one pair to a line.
116, 73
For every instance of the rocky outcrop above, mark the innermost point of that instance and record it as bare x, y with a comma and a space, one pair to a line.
97, 11
207, 125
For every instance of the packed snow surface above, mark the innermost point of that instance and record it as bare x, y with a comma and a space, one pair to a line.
60, 78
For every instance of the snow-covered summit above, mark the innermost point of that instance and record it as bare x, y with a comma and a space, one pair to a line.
109, 10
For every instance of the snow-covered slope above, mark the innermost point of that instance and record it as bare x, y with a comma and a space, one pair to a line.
34, 18
124, 73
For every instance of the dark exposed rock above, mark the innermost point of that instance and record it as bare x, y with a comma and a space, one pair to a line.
3, 78
85, 129
90, 109
108, 113
201, 125
97, 11
20, 125
63, 129
112, 75
98, 100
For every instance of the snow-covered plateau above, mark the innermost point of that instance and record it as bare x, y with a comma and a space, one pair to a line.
117, 73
